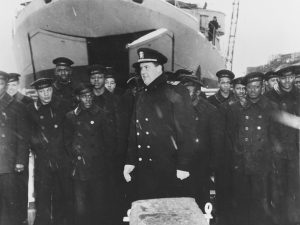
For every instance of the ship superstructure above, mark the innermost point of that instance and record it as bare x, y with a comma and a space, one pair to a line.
109, 32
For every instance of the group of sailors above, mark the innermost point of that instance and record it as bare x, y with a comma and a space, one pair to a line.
97, 149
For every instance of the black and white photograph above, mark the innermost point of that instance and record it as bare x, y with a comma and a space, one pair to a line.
150, 112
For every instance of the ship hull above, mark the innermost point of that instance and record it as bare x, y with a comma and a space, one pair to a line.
99, 31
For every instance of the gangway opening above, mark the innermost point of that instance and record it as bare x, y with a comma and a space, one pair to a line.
111, 51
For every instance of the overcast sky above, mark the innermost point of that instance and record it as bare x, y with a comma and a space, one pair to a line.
265, 28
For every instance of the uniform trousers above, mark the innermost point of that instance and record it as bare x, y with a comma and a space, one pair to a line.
10, 211
223, 198
249, 196
91, 202
22, 185
200, 178
52, 192
119, 202
285, 191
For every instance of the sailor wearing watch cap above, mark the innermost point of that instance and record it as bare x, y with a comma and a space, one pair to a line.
85, 139
249, 127
62, 86
225, 78
209, 140
297, 77
14, 145
286, 183
271, 78
51, 162
13, 89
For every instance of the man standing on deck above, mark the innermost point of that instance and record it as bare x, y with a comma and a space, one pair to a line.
225, 78
161, 134
213, 26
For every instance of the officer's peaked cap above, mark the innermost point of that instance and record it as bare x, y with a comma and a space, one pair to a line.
150, 55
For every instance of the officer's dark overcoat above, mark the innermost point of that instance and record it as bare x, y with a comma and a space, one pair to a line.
161, 136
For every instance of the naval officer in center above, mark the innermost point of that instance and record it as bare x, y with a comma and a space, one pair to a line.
161, 135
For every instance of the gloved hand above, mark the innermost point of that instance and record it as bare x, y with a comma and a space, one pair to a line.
127, 170
181, 174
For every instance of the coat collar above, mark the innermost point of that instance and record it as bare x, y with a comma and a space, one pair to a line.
59, 86
220, 98
105, 94
93, 110
53, 103
162, 79
18, 96
261, 103
5, 101
283, 93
